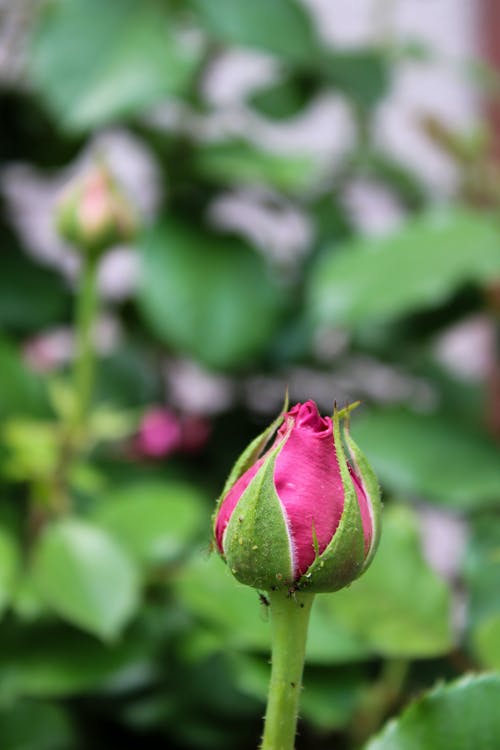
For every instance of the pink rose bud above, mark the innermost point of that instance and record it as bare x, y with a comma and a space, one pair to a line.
160, 434
93, 215
304, 514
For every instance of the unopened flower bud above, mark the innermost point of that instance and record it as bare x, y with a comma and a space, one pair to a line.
304, 515
93, 214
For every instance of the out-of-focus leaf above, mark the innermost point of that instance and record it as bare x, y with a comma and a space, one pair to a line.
285, 98
86, 577
461, 715
396, 176
331, 638
27, 602
31, 297
207, 295
240, 163
129, 377
93, 61
108, 423
330, 696
482, 567
331, 220
21, 392
486, 642
30, 725
282, 27
210, 592
154, 521
239, 621
399, 607
51, 662
418, 267
9, 566
431, 456
482, 576
363, 75
207, 689
32, 449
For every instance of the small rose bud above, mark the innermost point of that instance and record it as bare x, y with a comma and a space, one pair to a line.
92, 213
305, 514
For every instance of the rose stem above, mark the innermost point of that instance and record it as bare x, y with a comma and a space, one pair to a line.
289, 622
86, 309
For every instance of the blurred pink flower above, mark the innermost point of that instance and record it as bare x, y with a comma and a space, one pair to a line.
54, 347
160, 433
47, 351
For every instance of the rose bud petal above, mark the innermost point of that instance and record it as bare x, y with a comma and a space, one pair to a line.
305, 513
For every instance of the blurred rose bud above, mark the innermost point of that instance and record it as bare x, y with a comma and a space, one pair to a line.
93, 214
305, 514
160, 434
195, 433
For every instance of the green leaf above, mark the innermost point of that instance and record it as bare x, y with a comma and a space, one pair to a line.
30, 725
56, 661
363, 75
94, 62
32, 449
461, 715
330, 697
482, 574
418, 267
209, 591
207, 295
285, 98
385, 168
155, 521
482, 567
240, 163
9, 567
389, 615
430, 456
86, 577
21, 391
486, 642
282, 27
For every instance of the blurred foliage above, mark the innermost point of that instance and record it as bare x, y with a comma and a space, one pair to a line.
432, 721
118, 629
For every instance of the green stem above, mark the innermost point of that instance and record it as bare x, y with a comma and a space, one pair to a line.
86, 309
289, 621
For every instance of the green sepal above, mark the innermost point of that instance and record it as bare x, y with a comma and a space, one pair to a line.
343, 559
257, 544
250, 455
371, 487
